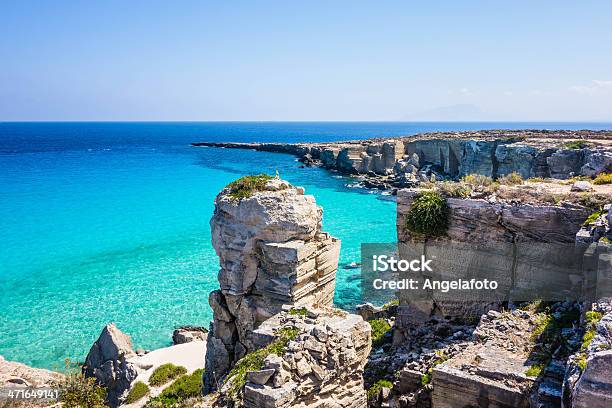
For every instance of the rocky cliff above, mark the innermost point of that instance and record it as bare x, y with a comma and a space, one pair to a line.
494, 153
501, 239
272, 253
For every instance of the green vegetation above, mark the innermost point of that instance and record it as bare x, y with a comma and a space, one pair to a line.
591, 319
139, 390
428, 214
576, 144
299, 312
603, 178
581, 362
478, 180
76, 391
454, 189
426, 378
511, 179
380, 327
245, 186
592, 218
535, 370
183, 388
543, 322
538, 180
254, 361
393, 302
375, 388
441, 356
165, 373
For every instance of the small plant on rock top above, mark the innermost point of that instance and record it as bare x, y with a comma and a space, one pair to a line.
428, 214
377, 386
245, 186
576, 144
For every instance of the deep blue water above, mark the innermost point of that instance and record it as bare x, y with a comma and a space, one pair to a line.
105, 222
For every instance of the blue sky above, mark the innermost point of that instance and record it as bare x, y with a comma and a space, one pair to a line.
329, 60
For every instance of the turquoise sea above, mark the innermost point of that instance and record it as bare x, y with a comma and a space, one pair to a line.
104, 222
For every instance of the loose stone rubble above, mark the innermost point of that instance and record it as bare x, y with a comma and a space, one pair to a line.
322, 366
272, 253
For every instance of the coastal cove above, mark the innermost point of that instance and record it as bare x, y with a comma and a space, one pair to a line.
110, 222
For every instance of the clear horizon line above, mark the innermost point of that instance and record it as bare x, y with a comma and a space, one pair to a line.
305, 121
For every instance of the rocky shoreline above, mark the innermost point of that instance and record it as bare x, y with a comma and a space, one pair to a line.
277, 341
392, 163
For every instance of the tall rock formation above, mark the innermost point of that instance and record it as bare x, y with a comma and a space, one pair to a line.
272, 253
108, 362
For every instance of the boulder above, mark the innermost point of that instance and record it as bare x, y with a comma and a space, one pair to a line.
565, 163
582, 185
597, 162
187, 334
107, 362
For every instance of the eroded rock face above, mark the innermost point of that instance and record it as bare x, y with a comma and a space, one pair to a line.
107, 363
592, 387
322, 367
493, 237
272, 253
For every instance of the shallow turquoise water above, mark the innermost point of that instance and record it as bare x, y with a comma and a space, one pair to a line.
109, 222
122, 234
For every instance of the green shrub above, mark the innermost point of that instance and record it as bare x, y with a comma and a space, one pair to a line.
581, 362
165, 373
426, 378
76, 391
139, 390
477, 180
299, 312
428, 214
375, 388
254, 361
390, 303
535, 370
183, 388
592, 218
453, 189
543, 322
576, 144
591, 318
245, 186
380, 327
511, 179
441, 356
538, 180
603, 178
